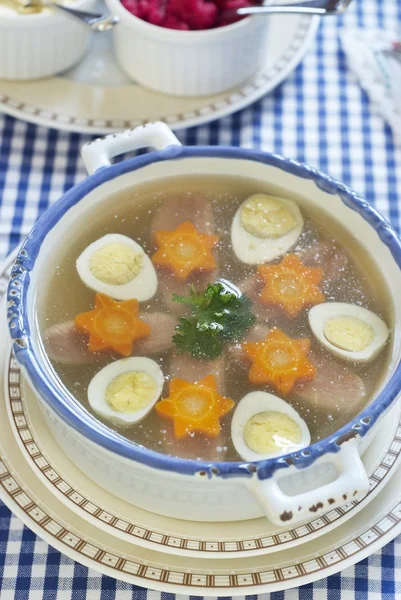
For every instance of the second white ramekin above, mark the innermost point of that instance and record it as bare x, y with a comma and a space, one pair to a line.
42, 44
188, 63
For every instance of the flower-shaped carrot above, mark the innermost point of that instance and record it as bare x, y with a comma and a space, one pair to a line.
291, 285
279, 360
194, 407
185, 250
112, 325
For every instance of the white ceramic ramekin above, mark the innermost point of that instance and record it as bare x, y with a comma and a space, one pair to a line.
43, 44
188, 63
287, 489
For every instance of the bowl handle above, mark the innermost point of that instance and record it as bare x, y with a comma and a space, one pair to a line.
351, 483
97, 154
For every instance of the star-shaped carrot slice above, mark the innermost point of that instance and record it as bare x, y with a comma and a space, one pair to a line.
291, 285
185, 250
112, 325
279, 360
194, 407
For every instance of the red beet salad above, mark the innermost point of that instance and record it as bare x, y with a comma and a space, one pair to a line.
187, 15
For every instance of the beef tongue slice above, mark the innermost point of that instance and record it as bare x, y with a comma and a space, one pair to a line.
174, 211
66, 345
197, 446
336, 389
183, 207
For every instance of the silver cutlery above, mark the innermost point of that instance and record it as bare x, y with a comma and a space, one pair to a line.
311, 7
97, 22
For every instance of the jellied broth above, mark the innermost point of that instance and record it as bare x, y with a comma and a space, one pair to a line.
326, 403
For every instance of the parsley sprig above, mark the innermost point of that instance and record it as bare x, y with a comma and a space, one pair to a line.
219, 315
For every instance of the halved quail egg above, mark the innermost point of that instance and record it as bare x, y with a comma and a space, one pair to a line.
126, 390
118, 266
264, 228
348, 331
264, 426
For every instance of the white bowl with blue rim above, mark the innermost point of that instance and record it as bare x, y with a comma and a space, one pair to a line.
286, 489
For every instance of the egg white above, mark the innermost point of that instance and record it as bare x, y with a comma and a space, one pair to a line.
319, 314
253, 404
98, 385
254, 250
142, 287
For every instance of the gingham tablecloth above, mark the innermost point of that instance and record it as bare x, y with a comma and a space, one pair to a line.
320, 116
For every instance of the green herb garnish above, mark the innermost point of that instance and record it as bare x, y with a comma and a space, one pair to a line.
219, 315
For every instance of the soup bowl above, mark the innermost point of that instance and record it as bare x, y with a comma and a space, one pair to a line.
286, 489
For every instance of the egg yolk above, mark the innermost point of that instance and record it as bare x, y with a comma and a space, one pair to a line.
129, 392
266, 217
348, 333
115, 264
269, 432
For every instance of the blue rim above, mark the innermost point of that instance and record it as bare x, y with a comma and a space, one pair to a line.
80, 419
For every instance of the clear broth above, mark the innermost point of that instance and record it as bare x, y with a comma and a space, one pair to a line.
130, 213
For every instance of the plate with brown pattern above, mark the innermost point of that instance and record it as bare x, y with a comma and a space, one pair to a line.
96, 97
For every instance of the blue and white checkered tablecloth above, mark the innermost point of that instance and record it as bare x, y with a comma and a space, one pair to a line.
320, 116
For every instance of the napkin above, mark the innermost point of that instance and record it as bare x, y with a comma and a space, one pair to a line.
375, 58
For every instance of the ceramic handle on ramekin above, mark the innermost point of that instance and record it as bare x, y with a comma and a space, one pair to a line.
97, 154
351, 483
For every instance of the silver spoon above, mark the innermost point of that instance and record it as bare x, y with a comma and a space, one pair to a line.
95, 21
311, 7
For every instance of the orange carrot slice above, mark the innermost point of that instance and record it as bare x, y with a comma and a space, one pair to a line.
279, 360
112, 325
194, 407
291, 285
185, 250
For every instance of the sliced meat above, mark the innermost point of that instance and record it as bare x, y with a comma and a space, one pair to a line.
335, 389
66, 345
327, 255
176, 210
161, 335
180, 208
196, 446
256, 334
251, 287
192, 369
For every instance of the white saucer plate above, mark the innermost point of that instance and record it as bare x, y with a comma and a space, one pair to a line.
96, 97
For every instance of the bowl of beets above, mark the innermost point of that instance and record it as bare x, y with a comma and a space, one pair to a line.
187, 15
189, 47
